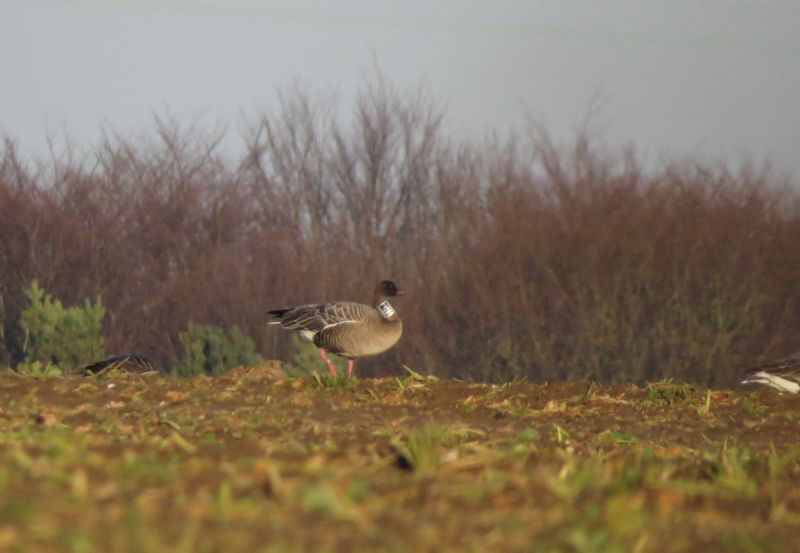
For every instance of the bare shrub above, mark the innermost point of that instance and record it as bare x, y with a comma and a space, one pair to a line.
521, 258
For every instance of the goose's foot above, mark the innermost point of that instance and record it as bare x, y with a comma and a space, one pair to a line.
328, 362
350, 364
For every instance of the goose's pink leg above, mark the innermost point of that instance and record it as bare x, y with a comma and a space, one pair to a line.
350, 363
331, 366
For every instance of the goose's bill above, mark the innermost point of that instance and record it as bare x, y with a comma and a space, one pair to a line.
401, 292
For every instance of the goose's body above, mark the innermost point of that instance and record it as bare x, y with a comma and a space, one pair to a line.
127, 363
783, 375
348, 329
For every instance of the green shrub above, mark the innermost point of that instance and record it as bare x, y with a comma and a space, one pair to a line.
209, 350
306, 360
37, 369
67, 337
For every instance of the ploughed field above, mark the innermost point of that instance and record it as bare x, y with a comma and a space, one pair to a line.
252, 461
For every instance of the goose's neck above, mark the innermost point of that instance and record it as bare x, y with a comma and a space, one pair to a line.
386, 310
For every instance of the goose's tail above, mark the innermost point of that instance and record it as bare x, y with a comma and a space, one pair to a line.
782, 382
277, 315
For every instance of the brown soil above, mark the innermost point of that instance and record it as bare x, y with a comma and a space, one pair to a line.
254, 462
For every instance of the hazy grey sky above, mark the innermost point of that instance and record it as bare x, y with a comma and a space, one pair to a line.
718, 78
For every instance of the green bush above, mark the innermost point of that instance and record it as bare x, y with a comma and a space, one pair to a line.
67, 337
306, 360
209, 350
37, 369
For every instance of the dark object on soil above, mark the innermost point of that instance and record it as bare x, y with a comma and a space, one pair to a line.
402, 462
783, 375
124, 363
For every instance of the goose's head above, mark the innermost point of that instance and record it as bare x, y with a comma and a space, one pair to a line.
386, 289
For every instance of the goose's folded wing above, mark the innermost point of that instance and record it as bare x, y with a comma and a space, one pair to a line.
318, 317
788, 368
128, 363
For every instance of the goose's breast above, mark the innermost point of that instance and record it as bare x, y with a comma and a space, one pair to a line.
374, 342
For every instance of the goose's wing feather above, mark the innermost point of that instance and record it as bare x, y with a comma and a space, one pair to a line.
128, 363
788, 368
318, 317
783, 375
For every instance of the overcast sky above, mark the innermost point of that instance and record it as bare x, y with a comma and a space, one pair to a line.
713, 78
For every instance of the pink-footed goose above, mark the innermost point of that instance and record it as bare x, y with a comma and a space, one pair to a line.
346, 328
783, 374
131, 363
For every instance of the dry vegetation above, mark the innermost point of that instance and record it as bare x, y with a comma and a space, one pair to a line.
253, 462
521, 259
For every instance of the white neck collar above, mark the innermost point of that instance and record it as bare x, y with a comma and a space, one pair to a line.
386, 309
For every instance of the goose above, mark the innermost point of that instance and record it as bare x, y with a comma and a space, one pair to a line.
346, 328
783, 375
128, 363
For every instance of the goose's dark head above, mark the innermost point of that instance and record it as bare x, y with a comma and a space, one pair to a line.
386, 289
